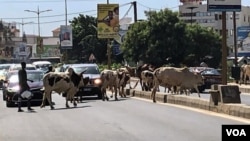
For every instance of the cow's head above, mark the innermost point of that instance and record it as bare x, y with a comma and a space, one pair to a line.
77, 79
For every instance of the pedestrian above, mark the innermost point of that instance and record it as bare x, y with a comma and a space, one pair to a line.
22, 76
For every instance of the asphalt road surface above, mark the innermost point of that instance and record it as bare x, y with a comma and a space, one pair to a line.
129, 119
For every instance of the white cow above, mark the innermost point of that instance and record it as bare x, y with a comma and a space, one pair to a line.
67, 82
147, 78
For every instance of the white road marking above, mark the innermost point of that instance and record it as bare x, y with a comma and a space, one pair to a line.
243, 120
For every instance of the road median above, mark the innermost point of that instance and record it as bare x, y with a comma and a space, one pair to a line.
239, 110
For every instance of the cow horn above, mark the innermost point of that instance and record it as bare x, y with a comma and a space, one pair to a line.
84, 71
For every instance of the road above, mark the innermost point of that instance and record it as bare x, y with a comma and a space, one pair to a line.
129, 119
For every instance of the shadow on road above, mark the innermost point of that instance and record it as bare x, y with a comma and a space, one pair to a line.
72, 108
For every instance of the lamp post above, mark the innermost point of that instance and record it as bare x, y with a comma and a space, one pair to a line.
191, 8
66, 13
38, 12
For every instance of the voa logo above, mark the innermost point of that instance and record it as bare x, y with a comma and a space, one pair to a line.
236, 132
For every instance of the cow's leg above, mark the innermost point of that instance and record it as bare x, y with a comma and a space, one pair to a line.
142, 87
197, 90
116, 90
68, 97
136, 84
47, 95
123, 94
104, 93
44, 100
153, 94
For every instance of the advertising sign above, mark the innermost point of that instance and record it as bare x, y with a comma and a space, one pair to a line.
108, 20
243, 36
22, 50
66, 39
224, 5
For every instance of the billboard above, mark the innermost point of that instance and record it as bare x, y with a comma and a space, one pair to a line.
224, 5
66, 39
243, 37
108, 20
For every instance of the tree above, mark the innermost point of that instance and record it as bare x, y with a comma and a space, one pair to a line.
85, 40
205, 46
164, 39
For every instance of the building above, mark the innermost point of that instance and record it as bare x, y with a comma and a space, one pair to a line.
195, 12
14, 48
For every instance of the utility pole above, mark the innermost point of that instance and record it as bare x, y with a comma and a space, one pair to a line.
66, 13
109, 49
66, 23
23, 23
191, 8
224, 49
135, 11
235, 41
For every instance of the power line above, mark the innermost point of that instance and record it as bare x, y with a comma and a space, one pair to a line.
128, 11
44, 1
51, 15
60, 14
155, 8
148, 6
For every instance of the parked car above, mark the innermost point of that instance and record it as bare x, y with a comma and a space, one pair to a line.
211, 76
11, 87
42, 65
18, 67
94, 88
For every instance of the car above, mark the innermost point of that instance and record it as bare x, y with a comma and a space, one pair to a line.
210, 75
94, 86
3, 70
11, 87
42, 65
18, 67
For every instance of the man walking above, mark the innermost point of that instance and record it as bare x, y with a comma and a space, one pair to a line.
22, 76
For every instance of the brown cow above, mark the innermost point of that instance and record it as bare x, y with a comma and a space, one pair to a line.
180, 77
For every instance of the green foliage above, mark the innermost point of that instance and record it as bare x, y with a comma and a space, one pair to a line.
85, 40
114, 66
164, 39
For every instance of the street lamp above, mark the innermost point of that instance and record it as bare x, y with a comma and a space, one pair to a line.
38, 12
191, 8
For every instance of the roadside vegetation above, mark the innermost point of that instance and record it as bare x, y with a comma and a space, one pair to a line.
162, 39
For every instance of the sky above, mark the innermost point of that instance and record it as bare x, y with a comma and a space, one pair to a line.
14, 11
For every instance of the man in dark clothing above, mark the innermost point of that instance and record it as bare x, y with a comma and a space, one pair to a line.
22, 76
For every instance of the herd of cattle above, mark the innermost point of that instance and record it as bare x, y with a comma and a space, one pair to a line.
175, 79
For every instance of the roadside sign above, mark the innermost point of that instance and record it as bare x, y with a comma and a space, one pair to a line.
108, 20
66, 37
224, 5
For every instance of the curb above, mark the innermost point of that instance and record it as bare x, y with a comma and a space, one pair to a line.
238, 110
